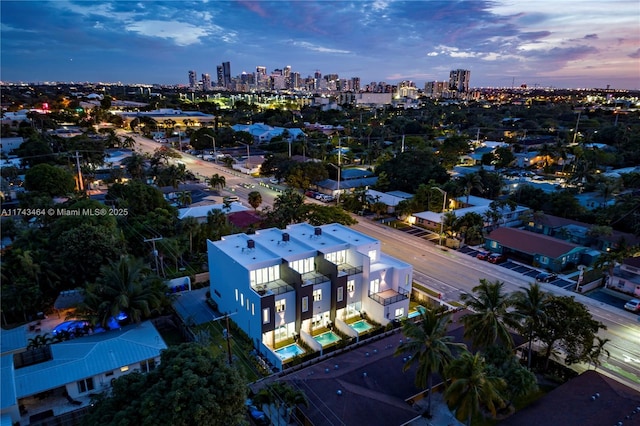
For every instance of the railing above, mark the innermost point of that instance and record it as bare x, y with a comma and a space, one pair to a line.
273, 287
402, 294
351, 270
314, 280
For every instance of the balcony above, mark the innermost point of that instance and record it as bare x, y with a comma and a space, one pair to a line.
346, 269
388, 297
314, 277
273, 287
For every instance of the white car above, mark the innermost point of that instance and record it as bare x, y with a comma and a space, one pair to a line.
633, 305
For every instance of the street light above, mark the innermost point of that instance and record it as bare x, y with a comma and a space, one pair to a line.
215, 155
338, 169
444, 201
248, 156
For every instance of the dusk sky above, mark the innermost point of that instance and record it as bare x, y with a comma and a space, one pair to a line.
559, 43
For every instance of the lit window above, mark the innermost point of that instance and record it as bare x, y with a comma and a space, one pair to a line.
266, 314
305, 304
125, 368
280, 305
236, 294
340, 295
317, 295
399, 312
374, 286
253, 309
373, 255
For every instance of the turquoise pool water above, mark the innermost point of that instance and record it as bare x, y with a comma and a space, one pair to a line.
289, 351
416, 313
361, 326
327, 338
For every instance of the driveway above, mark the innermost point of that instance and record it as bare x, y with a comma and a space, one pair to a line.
192, 307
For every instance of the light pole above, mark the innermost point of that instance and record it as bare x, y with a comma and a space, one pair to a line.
338, 169
248, 156
215, 155
444, 201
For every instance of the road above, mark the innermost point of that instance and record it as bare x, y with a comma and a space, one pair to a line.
452, 273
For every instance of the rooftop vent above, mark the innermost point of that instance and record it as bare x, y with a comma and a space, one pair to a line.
251, 244
317, 231
285, 237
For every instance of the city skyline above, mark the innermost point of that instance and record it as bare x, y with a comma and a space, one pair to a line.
570, 44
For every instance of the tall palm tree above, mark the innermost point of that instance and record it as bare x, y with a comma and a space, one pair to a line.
429, 346
490, 320
284, 396
472, 386
597, 350
125, 286
217, 181
128, 142
135, 165
529, 304
255, 199
184, 198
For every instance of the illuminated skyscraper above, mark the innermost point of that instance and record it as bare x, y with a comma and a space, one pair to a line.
193, 79
206, 82
459, 80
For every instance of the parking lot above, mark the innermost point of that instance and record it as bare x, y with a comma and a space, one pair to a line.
525, 270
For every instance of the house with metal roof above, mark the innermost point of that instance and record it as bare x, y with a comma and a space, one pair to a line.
536, 249
61, 377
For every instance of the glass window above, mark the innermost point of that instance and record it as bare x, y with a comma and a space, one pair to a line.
303, 266
280, 305
317, 295
340, 295
374, 286
148, 365
265, 316
399, 312
373, 255
85, 385
351, 285
305, 304
337, 257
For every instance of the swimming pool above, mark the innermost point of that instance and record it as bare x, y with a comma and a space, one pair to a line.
361, 326
289, 352
327, 338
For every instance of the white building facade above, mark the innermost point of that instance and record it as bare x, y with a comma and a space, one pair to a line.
292, 283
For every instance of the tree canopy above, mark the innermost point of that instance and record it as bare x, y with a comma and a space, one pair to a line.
190, 387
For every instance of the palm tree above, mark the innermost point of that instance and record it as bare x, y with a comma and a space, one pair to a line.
490, 319
184, 198
471, 182
125, 286
284, 396
429, 346
135, 165
530, 304
471, 385
217, 181
128, 142
39, 341
597, 350
255, 199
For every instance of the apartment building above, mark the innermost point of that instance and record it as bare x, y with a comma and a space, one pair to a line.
306, 282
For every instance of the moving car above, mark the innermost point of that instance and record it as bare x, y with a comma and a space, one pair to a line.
483, 255
497, 258
633, 305
546, 277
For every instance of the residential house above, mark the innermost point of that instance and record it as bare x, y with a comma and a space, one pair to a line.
578, 232
61, 377
303, 282
460, 206
536, 249
7, 145
626, 277
263, 133
350, 179
391, 199
201, 212
591, 399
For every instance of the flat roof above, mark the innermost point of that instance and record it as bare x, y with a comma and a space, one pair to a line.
324, 242
237, 247
272, 239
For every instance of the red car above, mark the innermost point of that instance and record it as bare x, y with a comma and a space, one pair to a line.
483, 255
497, 258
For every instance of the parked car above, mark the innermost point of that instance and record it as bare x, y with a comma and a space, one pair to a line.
274, 181
497, 258
546, 277
633, 305
483, 255
231, 198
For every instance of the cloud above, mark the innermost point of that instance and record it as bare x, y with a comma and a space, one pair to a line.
635, 55
182, 34
254, 7
315, 48
591, 37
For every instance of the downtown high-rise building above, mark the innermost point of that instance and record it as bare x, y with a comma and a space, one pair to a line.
193, 79
206, 82
226, 74
459, 80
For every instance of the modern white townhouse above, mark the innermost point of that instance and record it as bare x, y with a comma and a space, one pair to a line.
306, 282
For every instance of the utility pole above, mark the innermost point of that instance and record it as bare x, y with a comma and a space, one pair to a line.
155, 252
227, 335
80, 182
